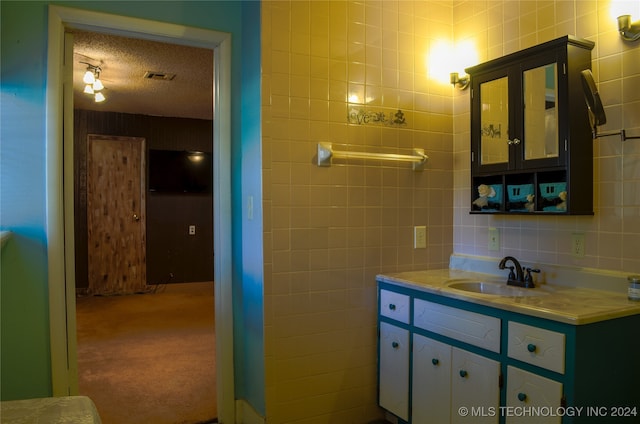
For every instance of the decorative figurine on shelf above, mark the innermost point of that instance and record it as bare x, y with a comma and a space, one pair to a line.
530, 205
485, 192
562, 206
554, 196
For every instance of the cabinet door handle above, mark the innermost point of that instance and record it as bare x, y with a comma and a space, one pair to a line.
395, 345
531, 347
463, 373
392, 306
522, 397
435, 361
514, 142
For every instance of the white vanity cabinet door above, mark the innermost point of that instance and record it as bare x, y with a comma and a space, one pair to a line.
431, 381
474, 384
525, 389
394, 370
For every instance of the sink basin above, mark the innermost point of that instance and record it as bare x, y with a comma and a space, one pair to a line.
492, 288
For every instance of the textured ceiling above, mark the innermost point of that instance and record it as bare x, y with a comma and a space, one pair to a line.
124, 62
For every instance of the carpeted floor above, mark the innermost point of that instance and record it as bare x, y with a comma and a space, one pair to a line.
149, 358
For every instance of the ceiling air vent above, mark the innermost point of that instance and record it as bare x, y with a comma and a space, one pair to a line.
159, 76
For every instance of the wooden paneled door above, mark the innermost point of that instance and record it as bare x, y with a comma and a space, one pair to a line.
116, 214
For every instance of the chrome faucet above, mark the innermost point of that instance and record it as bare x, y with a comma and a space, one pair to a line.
518, 278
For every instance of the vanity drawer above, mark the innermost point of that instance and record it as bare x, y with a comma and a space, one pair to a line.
536, 346
469, 327
394, 305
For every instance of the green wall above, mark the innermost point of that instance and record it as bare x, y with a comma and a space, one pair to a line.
24, 329
24, 333
248, 297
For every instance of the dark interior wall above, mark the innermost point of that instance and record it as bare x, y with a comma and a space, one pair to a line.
171, 251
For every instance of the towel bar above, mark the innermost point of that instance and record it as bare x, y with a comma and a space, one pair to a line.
326, 153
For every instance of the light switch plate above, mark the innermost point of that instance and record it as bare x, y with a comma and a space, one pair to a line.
494, 239
420, 237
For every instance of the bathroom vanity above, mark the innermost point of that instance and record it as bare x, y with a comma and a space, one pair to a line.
551, 354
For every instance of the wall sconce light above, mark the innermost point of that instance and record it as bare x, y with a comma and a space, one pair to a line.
629, 31
447, 59
93, 84
461, 83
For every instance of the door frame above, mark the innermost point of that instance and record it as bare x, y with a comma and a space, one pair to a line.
59, 188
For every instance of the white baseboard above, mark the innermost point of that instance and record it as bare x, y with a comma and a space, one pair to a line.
245, 414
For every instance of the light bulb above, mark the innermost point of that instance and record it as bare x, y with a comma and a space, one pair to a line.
99, 97
88, 78
97, 85
88, 89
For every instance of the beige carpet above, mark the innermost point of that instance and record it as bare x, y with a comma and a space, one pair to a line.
149, 358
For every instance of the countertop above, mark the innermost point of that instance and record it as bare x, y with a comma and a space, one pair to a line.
571, 305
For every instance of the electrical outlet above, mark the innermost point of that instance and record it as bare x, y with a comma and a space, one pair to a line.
420, 237
494, 239
577, 245
192, 230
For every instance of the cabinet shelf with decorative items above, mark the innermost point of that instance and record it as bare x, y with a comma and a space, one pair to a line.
522, 192
531, 141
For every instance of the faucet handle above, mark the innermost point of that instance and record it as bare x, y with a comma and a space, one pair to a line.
528, 278
512, 275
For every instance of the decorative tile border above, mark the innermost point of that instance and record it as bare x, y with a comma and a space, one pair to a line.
367, 117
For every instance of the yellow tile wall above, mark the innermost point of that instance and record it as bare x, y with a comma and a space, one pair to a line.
329, 231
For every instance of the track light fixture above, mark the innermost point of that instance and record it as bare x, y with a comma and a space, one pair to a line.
93, 85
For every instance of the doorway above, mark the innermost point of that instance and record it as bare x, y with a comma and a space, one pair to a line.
127, 345
60, 198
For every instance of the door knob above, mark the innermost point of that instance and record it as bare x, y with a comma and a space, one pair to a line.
136, 217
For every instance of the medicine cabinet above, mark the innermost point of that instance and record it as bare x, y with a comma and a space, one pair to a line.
531, 142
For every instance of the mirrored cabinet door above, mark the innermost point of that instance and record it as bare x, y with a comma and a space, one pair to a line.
494, 121
540, 103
